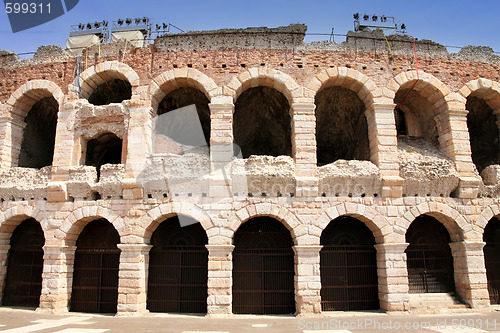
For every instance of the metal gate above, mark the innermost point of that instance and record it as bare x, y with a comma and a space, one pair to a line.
178, 268
95, 275
492, 259
348, 267
429, 258
23, 283
263, 268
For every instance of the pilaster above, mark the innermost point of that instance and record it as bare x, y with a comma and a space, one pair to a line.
220, 280
307, 279
132, 279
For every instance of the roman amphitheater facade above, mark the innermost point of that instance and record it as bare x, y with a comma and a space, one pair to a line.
330, 135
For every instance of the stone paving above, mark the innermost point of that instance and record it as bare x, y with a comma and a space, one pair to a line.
24, 321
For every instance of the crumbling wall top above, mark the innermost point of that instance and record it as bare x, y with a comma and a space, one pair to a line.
285, 37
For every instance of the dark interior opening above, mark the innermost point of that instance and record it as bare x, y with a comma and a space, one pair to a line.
113, 91
418, 115
39, 135
104, 149
484, 133
400, 118
341, 126
262, 123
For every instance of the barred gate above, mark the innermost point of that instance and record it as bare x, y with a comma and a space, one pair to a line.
95, 280
178, 267
95, 273
348, 267
23, 283
263, 268
492, 259
429, 258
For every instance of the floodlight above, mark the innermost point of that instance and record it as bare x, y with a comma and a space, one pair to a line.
120, 22
128, 21
356, 16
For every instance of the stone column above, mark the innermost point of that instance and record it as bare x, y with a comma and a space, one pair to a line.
454, 142
11, 135
220, 280
133, 279
304, 149
392, 277
221, 149
470, 273
4, 255
57, 278
384, 147
139, 147
307, 279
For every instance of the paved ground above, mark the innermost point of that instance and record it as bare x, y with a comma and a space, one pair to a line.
25, 321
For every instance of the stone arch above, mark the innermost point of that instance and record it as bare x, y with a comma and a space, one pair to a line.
481, 98
156, 215
377, 223
347, 78
483, 88
166, 82
31, 92
298, 230
14, 216
263, 76
79, 218
484, 218
458, 227
427, 84
93, 76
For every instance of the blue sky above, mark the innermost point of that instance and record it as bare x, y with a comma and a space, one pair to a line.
457, 23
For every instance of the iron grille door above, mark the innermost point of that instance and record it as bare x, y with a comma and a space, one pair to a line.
23, 283
178, 279
263, 268
263, 281
349, 278
348, 267
492, 263
429, 258
95, 280
492, 259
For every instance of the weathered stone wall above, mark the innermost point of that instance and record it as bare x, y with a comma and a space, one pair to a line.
222, 191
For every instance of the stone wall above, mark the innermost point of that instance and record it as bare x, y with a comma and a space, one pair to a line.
222, 191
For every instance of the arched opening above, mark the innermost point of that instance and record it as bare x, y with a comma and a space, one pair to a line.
429, 258
348, 266
39, 135
484, 133
23, 283
104, 149
178, 266
262, 123
184, 126
112, 91
415, 115
95, 274
491, 250
341, 126
263, 268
